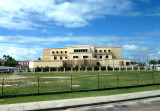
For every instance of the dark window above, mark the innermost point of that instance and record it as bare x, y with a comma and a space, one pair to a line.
55, 58
107, 56
57, 52
100, 51
61, 52
100, 57
52, 52
85, 56
65, 57
80, 50
109, 50
60, 57
95, 50
75, 57
95, 56
104, 50
65, 51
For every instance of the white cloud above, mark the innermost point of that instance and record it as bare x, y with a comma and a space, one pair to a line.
135, 48
24, 14
20, 52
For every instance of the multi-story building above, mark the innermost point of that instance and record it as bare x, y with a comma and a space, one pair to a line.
82, 54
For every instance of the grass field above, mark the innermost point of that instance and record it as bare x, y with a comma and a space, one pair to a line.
51, 82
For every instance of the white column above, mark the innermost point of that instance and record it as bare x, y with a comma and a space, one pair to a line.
92, 69
106, 68
99, 68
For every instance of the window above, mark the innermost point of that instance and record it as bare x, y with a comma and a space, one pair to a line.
55, 58
61, 58
100, 50
57, 52
107, 56
75, 57
65, 51
95, 56
80, 50
52, 52
109, 50
95, 50
104, 50
85, 56
100, 57
65, 57
61, 52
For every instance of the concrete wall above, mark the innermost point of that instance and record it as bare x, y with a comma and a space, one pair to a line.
34, 64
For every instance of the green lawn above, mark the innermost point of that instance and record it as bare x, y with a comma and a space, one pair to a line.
51, 82
75, 95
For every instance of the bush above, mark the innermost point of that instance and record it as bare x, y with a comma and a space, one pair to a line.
103, 67
83, 66
46, 69
76, 67
96, 67
37, 69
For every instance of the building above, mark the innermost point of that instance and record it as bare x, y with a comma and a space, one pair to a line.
24, 64
82, 54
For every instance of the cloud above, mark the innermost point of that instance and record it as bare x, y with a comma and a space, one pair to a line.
135, 48
20, 52
24, 14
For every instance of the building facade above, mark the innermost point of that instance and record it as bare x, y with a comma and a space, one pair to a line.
85, 54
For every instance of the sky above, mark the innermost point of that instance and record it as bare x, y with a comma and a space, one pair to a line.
27, 27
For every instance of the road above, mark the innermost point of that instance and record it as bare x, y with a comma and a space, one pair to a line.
152, 104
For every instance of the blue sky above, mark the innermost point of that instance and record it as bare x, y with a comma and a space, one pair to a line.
27, 27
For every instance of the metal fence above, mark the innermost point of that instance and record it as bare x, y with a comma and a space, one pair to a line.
30, 85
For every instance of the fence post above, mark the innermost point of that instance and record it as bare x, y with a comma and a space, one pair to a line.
137, 79
38, 84
153, 77
71, 82
117, 81
2, 85
98, 81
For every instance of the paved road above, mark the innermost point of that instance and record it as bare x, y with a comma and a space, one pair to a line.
138, 105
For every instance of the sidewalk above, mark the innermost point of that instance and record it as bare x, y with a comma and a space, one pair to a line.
69, 103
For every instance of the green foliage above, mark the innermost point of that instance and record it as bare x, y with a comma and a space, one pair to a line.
96, 67
76, 67
61, 68
39, 59
68, 67
152, 62
46, 69
110, 68
53, 69
37, 69
103, 67
83, 66
0, 63
11, 63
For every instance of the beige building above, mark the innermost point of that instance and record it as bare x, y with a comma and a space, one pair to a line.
82, 54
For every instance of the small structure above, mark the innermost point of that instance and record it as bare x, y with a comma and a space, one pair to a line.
24, 64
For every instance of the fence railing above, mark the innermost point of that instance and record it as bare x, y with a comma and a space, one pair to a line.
33, 84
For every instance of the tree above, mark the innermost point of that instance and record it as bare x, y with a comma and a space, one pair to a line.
39, 59
10, 61
0, 63
152, 62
